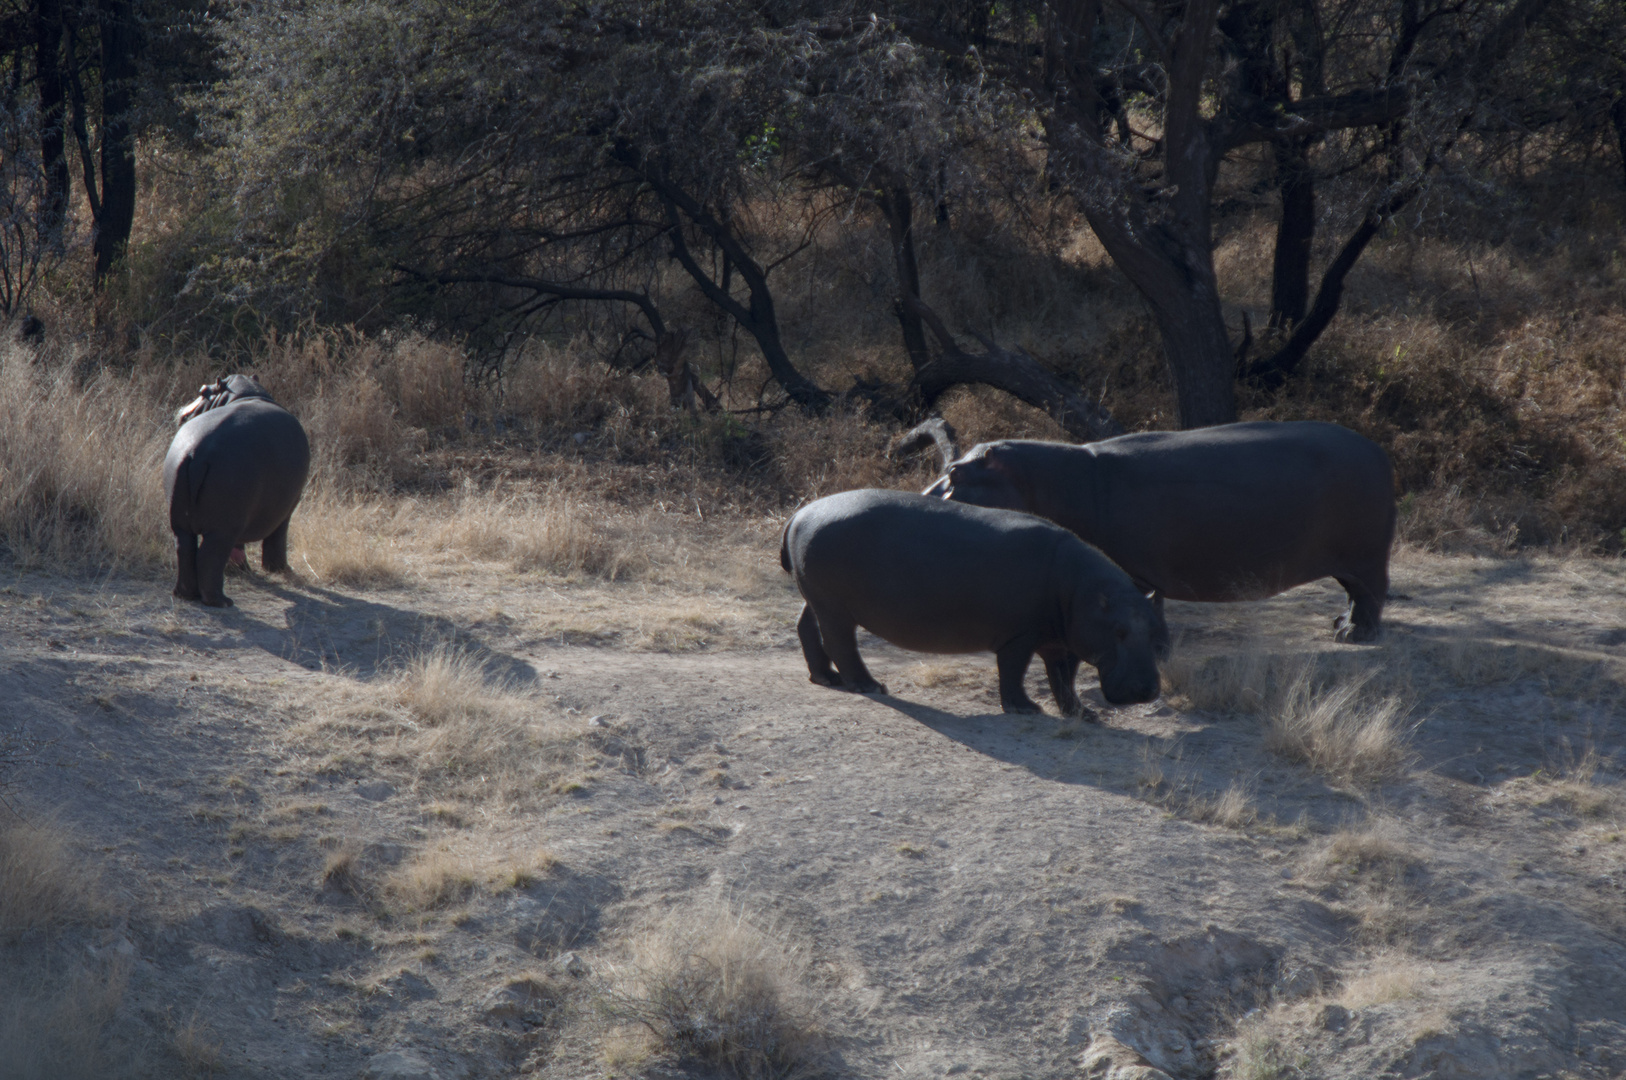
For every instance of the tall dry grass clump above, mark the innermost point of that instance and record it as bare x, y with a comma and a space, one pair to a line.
705, 984
43, 882
480, 734
1331, 713
1343, 730
81, 466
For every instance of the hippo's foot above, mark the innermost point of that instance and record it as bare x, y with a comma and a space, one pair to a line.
1082, 712
186, 594
871, 687
828, 678
219, 601
1021, 706
1349, 632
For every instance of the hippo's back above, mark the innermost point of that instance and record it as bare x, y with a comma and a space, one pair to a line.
1243, 511
240, 468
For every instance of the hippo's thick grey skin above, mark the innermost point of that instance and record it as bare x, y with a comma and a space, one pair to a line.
935, 576
233, 475
1235, 512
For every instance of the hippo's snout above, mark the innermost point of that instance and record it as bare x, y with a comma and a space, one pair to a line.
1130, 687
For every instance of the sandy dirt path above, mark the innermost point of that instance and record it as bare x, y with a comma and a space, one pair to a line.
978, 894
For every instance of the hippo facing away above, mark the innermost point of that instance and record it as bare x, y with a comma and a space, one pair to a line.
1234, 512
234, 473
936, 576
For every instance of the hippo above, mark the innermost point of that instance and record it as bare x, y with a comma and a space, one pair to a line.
941, 577
234, 473
1233, 512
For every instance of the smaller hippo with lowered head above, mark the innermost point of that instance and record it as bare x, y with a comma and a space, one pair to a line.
234, 473
941, 577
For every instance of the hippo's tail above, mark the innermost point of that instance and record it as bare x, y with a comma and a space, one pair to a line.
784, 548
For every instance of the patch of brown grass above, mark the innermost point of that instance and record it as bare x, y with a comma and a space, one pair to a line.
707, 983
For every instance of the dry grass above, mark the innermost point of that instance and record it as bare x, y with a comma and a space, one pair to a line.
1342, 730
707, 984
63, 500
554, 534
449, 873
198, 1047
1335, 714
481, 734
44, 883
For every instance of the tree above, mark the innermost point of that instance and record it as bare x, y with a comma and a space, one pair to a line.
1206, 78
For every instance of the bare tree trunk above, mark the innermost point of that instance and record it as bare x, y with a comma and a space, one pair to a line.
1295, 232
898, 209
1617, 113
53, 115
118, 139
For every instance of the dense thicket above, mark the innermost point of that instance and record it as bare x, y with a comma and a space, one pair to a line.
650, 173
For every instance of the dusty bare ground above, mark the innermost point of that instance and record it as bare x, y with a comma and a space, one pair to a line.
305, 869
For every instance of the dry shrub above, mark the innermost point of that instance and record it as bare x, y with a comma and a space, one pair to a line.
839, 452
555, 388
43, 883
707, 984
1380, 878
81, 466
480, 733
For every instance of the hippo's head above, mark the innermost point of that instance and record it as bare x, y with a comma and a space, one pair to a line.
1118, 632
214, 395
983, 477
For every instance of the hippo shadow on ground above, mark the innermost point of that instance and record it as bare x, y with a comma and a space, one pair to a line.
1179, 773
364, 638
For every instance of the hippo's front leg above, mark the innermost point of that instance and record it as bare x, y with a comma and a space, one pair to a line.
186, 572
1013, 659
1061, 665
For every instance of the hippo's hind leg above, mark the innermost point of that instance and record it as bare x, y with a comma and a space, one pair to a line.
1061, 665
212, 556
186, 559
1364, 620
818, 661
1013, 659
836, 639
274, 550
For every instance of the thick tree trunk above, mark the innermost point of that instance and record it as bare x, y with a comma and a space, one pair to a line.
53, 115
1290, 271
118, 139
898, 209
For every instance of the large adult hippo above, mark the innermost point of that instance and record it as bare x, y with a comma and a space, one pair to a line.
939, 577
233, 475
1235, 512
